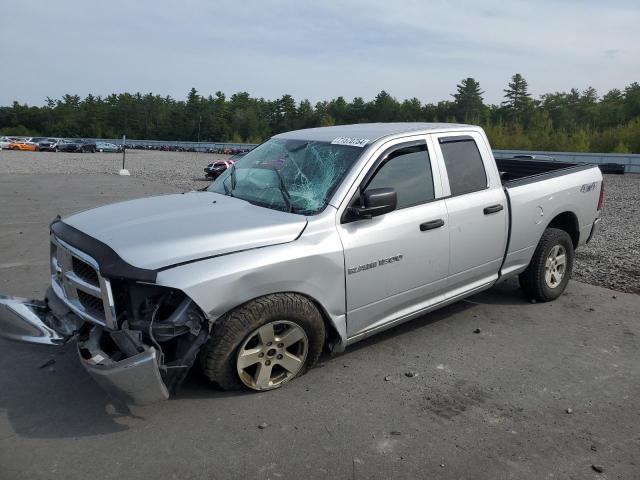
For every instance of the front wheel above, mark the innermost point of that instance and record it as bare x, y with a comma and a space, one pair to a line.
550, 268
265, 343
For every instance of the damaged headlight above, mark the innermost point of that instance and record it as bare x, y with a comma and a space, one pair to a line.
165, 314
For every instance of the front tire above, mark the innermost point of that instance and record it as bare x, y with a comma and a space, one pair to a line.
264, 343
550, 268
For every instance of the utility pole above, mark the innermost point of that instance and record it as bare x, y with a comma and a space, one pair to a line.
199, 122
124, 171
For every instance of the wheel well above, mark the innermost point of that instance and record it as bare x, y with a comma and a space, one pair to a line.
568, 222
332, 336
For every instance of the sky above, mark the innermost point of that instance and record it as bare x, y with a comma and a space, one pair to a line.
314, 50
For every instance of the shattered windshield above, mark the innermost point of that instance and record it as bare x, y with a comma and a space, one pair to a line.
296, 176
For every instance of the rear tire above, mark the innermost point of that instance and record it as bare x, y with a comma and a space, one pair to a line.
237, 335
550, 268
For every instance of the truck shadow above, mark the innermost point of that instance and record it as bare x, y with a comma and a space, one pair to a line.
505, 293
46, 393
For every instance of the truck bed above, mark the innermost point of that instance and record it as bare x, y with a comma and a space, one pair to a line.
516, 171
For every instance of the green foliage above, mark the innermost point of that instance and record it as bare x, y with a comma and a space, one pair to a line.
559, 121
468, 106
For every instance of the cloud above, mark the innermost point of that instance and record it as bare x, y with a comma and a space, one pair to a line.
316, 50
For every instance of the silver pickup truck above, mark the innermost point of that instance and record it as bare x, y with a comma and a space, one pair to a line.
316, 239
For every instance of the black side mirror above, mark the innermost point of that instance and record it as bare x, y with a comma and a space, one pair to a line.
374, 202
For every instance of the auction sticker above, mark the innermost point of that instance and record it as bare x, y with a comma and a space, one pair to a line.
354, 142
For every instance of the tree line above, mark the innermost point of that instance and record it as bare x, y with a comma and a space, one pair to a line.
562, 121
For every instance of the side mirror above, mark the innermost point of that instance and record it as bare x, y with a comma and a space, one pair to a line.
377, 201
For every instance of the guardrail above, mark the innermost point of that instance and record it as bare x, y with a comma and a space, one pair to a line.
631, 162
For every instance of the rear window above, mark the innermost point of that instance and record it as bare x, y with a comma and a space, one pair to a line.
464, 165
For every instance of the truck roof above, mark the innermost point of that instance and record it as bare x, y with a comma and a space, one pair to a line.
370, 131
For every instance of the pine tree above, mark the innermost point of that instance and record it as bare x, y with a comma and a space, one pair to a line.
517, 94
468, 104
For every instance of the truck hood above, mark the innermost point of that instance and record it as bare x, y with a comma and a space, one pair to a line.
157, 232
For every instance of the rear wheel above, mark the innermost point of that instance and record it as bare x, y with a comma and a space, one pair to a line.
265, 343
550, 268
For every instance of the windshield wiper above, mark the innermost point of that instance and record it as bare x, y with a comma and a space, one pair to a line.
232, 174
283, 190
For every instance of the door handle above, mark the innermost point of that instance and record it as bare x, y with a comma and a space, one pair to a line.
493, 209
431, 225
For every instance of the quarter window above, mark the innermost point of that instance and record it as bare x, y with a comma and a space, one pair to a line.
408, 171
464, 165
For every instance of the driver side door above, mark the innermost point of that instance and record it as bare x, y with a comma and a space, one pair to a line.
398, 262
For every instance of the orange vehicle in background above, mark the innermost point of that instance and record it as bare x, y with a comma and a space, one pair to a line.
26, 145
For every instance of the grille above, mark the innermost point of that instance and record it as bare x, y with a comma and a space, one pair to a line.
75, 279
92, 304
85, 271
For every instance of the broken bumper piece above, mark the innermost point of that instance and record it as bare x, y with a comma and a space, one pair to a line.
30, 321
133, 380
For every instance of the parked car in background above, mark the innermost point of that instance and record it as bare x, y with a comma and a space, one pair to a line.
5, 142
215, 169
76, 146
87, 146
107, 147
48, 144
66, 146
24, 144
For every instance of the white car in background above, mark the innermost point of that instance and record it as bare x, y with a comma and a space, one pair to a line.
5, 142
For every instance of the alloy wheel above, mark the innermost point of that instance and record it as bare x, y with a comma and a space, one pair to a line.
555, 266
272, 355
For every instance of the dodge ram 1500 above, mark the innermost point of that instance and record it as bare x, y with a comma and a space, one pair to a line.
314, 240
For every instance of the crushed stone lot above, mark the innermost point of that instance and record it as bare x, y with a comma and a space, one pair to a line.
611, 260
492, 387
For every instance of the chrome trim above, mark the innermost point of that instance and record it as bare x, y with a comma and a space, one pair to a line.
66, 284
82, 285
25, 320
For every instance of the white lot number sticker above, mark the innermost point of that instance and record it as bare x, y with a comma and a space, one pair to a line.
354, 142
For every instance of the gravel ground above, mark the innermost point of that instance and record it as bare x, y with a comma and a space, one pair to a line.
611, 260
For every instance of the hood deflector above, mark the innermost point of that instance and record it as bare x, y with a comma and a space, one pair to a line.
110, 263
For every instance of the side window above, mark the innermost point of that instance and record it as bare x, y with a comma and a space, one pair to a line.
408, 170
464, 165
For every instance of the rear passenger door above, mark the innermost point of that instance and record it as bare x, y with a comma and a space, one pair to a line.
477, 211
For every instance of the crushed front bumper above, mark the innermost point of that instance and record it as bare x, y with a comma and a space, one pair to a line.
135, 379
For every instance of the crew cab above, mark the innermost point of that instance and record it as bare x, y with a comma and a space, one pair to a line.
314, 240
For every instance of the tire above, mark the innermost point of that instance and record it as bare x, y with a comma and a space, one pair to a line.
538, 281
220, 358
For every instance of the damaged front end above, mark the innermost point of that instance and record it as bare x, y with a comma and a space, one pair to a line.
137, 339
145, 360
